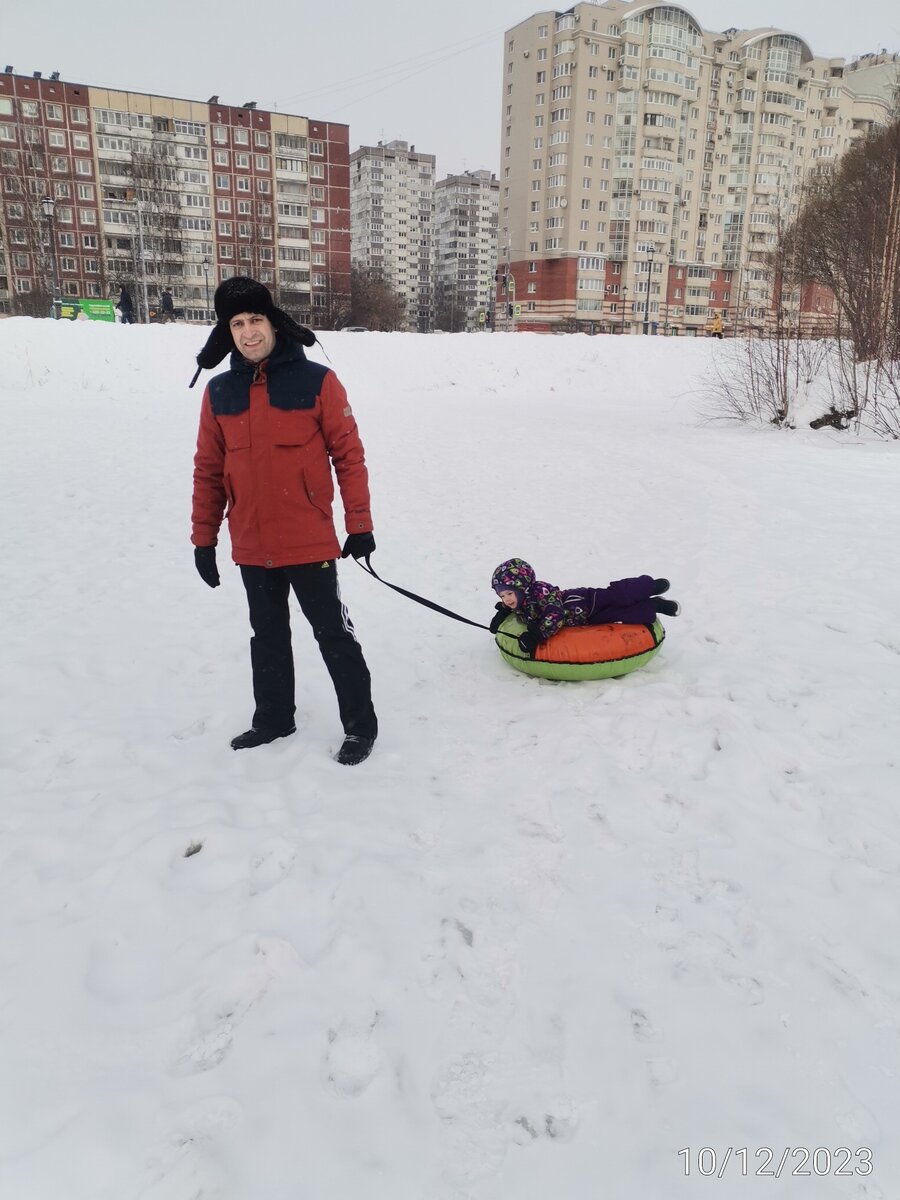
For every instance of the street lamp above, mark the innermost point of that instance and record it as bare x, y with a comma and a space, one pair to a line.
650, 254
48, 204
206, 273
624, 306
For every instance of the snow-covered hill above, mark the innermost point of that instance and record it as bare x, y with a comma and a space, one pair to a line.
549, 936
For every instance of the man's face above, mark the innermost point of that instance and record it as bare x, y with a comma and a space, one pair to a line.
254, 335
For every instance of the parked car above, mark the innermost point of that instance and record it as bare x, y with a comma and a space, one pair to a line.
355, 329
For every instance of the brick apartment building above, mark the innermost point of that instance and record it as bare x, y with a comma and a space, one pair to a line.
153, 191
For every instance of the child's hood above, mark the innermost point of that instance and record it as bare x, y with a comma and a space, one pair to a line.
514, 575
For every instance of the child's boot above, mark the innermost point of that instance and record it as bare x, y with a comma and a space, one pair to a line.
659, 586
668, 608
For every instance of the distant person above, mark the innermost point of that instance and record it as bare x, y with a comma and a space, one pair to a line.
126, 306
271, 429
167, 307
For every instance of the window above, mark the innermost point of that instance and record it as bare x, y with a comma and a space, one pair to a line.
56, 138
78, 116
317, 148
242, 160
83, 166
241, 137
89, 241
223, 205
54, 112
261, 138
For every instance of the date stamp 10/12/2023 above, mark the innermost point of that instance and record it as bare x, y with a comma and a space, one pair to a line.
766, 1162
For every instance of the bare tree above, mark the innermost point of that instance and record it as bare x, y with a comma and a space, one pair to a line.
374, 302
851, 226
450, 313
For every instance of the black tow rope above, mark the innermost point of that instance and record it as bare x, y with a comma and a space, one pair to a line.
420, 599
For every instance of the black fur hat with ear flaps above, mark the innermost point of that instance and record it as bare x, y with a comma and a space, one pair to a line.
240, 295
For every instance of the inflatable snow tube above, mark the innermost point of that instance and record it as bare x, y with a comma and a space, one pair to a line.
583, 651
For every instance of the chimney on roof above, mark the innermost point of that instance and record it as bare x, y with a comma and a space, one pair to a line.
8, 69
249, 104
54, 75
213, 100
36, 74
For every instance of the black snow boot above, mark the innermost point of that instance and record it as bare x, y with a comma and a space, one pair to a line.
660, 586
355, 749
668, 608
259, 737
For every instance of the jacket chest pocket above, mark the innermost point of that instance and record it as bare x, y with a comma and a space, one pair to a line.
236, 431
296, 430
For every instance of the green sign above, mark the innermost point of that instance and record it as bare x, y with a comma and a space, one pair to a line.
98, 310
518, 310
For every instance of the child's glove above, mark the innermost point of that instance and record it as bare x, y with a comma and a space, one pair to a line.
499, 616
529, 642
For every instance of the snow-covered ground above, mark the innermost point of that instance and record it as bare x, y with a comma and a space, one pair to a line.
550, 935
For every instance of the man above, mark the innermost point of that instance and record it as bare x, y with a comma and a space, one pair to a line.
271, 428
167, 307
126, 306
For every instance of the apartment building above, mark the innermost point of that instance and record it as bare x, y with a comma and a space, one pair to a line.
647, 164
391, 209
466, 209
153, 191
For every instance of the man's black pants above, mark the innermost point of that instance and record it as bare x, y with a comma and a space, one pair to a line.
316, 587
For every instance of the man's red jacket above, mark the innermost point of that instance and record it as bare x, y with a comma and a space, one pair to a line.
268, 438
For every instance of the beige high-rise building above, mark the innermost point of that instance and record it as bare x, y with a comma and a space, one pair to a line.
465, 249
647, 163
391, 206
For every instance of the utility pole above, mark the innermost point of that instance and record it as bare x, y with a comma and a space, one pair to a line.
140, 225
650, 254
48, 204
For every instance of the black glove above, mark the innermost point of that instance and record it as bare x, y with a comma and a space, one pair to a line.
360, 545
529, 642
499, 616
205, 561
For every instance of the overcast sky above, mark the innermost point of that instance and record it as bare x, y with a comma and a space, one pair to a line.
423, 70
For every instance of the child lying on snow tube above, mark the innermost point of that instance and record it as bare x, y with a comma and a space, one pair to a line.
547, 609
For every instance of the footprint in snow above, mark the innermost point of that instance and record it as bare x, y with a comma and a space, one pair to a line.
353, 1059
223, 1009
642, 1027
271, 864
